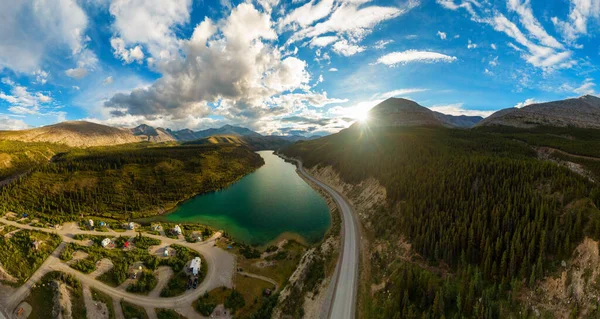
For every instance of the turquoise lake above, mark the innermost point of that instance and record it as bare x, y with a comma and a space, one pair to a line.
260, 207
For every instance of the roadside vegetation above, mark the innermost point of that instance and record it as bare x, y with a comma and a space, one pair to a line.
168, 314
483, 218
19, 255
126, 181
19, 157
131, 311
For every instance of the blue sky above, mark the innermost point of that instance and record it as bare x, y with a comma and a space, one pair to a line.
286, 66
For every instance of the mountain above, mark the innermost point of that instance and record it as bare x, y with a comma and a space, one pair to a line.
152, 134
462, 121
74, 133
189, 135
403, 112
582, 112
255, 143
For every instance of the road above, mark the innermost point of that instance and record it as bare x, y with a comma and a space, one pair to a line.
346, 280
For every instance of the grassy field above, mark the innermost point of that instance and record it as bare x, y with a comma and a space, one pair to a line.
41, 296
168, 314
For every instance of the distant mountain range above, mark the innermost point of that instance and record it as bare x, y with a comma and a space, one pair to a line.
582, 112
87, 134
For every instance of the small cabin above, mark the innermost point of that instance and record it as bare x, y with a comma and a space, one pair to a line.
131, 226
177, 230
91, 223
105, 242
102, 224
36, 244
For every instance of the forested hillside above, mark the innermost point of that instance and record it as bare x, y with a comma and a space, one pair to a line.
125, 181
481, 215
19, 157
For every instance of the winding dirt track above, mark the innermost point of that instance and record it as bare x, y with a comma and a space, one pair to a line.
221, 267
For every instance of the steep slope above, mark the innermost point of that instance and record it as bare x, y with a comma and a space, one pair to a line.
253, 142
74, 133
582, 112
153, 134
402, 112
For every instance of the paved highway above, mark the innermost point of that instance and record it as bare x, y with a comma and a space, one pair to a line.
343, 305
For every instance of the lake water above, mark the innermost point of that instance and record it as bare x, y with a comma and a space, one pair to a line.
261, 206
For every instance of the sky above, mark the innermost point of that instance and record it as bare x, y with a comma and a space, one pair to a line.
286, 67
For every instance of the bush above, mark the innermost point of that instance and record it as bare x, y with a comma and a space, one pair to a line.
205, 308
145, 283
235, 301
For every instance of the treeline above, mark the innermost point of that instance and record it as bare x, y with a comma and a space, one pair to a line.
479, 203
125, 181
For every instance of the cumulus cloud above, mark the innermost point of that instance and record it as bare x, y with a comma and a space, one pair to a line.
21, 100
150, 23
442, 35
333, 70
539, 48
77, 73
395, 58
457, 109
346, 48
228, 68
471, 45
526, 102
31, 28
7, 123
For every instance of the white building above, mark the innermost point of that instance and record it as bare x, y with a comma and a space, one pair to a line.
91, 223
131, 226
195, 266
105, 242
177, 230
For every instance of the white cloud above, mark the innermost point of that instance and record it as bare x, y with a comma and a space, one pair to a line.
343, 47
457, 109
488, 72
323, 41
7, 123
442, 35
350, 19
109, 80
76, 88
31, 29
398, 92
580, 12
494, 62
381, 44
307, 14
333, 70
77, 73
41, 76
21, 100
587, 87
526, 102
229, 68
471, 45
493, 46
150, 23
409, 56
547, 53
127, 55
531, 24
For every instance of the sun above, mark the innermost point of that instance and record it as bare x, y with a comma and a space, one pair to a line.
360, 115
